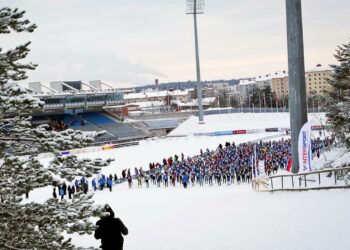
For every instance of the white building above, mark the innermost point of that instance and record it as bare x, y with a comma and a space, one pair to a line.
245, 86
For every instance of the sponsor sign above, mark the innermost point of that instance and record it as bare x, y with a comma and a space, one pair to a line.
271, 129
239, 132
304, 149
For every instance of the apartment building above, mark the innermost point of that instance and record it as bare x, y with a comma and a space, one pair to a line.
280, 84
317, 80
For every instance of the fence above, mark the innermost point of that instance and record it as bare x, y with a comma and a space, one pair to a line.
254, 110
317, 180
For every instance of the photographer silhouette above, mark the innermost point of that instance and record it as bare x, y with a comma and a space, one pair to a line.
110, 230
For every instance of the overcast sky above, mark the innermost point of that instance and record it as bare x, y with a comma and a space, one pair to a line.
132, 42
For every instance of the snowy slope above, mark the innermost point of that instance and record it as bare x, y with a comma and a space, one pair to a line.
236, 121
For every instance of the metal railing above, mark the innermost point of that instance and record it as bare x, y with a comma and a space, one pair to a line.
254, 110
322, 179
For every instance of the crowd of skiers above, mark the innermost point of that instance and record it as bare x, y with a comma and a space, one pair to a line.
225, 165
82, 185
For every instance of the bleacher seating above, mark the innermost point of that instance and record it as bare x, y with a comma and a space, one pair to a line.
122, 130
95, 121
115, 130
97, 118
69, 120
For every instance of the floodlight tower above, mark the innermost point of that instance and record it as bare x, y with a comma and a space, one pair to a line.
296, 68
195, 7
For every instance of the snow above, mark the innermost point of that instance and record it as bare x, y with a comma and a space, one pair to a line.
246, 82
269, 77
319, 68
225, 217
238, 121
153, 94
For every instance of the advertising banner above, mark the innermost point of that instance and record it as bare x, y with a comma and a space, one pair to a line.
304, 149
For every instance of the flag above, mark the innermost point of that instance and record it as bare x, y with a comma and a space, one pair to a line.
289, 164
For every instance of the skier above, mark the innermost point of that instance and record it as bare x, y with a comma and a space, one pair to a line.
102, 183
165, 179
84, 187
124, 174
69, 192
93, 183
64, 186
139, 181
54, 193
109, 184
61, 192
76, 184
184, 180
110, 230
129, 181
159, 179
147, 181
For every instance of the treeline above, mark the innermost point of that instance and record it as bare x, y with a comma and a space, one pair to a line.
184, 85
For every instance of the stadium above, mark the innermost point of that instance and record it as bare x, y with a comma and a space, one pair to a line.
68, 105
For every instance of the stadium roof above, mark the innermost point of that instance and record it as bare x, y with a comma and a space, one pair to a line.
162, 93
162, 124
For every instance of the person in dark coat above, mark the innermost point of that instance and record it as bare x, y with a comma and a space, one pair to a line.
110, 231
54, 194
64, 186
69, 192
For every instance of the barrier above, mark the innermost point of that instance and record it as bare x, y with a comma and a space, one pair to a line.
239, 132
254, 131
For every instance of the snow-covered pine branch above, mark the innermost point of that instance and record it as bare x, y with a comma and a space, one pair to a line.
35, 225
338, 101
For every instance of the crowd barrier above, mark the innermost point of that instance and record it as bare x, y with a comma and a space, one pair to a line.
254, 131
78, 151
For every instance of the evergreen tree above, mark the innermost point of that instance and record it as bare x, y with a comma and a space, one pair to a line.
34, 225
338, 101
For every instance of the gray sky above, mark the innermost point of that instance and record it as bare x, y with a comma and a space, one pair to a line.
132, 42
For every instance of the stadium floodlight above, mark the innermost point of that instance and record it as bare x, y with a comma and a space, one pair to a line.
194, 7
296, 68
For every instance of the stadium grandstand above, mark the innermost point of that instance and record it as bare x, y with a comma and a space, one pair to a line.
68, 105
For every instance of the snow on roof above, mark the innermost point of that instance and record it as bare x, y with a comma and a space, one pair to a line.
268, 77
318, 68
194, 102
246, 82
263, 78
149, 104
161, 93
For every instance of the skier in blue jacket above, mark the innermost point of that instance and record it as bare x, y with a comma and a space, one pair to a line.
109, 184
93, 183
184, 180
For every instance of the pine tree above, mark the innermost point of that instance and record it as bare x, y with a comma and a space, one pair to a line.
338, 101
35, 225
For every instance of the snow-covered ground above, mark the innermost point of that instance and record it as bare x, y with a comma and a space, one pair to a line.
236, 121
228, 217
225, 217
